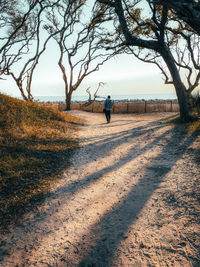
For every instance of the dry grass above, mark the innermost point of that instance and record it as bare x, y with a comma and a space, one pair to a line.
190, 127
36, 143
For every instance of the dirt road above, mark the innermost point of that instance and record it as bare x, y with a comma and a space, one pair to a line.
128, 199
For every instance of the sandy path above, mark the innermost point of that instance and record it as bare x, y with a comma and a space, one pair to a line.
129, 199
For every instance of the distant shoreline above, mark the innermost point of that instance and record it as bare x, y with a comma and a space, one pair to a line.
121, 100
117, 98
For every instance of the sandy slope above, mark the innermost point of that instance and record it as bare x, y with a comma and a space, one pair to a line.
129, 199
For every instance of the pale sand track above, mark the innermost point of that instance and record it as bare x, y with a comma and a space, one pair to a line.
129, 199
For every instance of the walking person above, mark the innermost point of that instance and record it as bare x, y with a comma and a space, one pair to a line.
108, 103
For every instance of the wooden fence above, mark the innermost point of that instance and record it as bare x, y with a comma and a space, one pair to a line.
127, 107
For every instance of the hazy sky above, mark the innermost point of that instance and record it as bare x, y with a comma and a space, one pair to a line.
123, 75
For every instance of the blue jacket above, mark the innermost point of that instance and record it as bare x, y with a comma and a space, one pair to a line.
108, 103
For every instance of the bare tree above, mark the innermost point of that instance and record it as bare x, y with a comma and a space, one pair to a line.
186, 10
187, 59
13, 20
90, 100
148, 33
15, 39
20, 55
80, 43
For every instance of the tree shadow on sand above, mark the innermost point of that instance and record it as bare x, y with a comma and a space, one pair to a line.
54, 163
112, 228
26, 183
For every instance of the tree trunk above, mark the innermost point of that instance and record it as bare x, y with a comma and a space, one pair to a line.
28, 87
178, 84
19, 84
68, 101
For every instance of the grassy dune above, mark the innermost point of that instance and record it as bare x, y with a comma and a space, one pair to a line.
36, 143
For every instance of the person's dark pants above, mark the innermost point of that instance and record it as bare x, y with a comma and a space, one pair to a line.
107, 113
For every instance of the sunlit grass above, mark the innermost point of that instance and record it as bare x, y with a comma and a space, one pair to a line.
36, 143
191, 127
175, 119
194, 126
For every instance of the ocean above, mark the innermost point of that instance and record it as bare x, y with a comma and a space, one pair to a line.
79, 98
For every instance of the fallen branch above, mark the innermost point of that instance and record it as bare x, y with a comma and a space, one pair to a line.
90, 100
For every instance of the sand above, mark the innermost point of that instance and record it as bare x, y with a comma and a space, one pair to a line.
130, 198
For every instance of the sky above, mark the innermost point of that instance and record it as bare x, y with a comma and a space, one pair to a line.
122, 75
